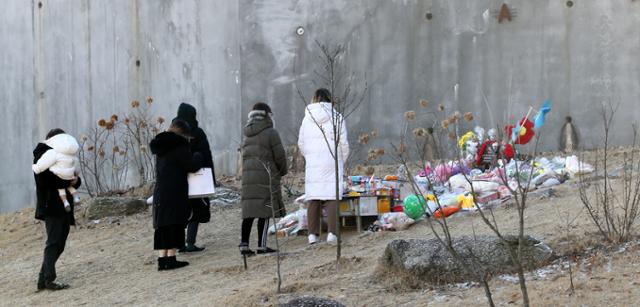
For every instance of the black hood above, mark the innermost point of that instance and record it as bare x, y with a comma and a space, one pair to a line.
165, 142
40, 149
187, 113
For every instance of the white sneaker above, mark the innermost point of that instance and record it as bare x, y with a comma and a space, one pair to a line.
332, 239
313, 239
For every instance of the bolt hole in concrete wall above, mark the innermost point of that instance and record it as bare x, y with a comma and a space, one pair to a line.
138, 63
428, 16
569, 3
39, 5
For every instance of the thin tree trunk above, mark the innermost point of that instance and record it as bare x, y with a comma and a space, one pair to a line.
337, 178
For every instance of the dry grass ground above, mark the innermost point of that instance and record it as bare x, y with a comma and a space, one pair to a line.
112, 263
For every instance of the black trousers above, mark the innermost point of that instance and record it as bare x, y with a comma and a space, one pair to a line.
57, 233
263, 227
192, 232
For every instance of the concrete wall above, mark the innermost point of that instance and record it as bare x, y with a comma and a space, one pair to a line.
69, 62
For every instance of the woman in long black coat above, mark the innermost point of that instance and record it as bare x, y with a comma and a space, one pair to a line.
199, 206
171, 195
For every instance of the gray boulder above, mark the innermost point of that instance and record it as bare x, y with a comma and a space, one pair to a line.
101, 207
309, 301
418, 260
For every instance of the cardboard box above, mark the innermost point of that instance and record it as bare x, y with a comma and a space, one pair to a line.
346, 206
368, 206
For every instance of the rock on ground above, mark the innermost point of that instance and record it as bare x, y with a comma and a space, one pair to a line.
309, 301
418, 260
225, 197
101, 207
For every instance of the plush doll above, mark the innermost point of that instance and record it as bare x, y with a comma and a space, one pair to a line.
468, 144
471, 149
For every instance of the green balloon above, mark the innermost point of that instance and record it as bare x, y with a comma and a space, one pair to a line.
414, 206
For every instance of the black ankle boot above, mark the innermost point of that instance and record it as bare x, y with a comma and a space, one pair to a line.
162, 263
172, 263
192, 248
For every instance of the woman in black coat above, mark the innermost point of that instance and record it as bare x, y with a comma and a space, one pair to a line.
171, 195
199, 206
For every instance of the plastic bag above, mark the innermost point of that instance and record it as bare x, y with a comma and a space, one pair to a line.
422, 183
402, 173
291, 223
546, 175
459, 181
551, 182
396, 220
504, 191
302, 219
485, 186
574, 167
443, 172
301, 201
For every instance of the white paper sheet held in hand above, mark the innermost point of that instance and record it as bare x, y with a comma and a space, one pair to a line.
201, 183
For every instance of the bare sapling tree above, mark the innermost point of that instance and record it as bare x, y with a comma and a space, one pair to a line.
345, 101
612, 210
273, 193
568, 223
519, 190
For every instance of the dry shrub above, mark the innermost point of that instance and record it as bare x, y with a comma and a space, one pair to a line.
107, 150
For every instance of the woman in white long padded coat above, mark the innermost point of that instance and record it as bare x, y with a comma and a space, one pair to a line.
316, 142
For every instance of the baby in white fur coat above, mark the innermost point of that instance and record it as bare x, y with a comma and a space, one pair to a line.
62, 161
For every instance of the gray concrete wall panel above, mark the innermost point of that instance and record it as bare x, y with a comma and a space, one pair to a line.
71, 62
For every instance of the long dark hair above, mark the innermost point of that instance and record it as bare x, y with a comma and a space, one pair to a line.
322, 95
180, 127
